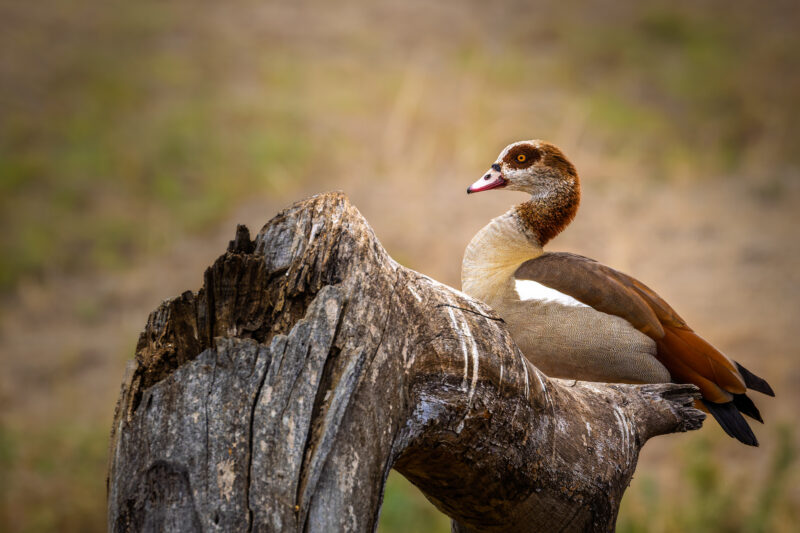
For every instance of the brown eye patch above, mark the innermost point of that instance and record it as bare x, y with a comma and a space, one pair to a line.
522, 156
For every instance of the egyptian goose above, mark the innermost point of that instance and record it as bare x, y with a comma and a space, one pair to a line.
576, 318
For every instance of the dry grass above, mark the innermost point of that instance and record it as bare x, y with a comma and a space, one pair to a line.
134, 136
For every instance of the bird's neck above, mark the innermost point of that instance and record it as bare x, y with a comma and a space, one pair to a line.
494, 253
497, 250
546, 215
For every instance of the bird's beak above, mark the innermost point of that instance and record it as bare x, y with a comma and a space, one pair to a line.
491, 180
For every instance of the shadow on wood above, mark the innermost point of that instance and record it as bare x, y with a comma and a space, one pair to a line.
279, 396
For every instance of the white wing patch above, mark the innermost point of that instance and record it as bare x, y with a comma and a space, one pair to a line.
528, 289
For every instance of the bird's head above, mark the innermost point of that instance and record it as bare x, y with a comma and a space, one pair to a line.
534, 167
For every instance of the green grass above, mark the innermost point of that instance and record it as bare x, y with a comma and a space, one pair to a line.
52, 479
709, 500
405, 510
133, 140
149, 128
665, 79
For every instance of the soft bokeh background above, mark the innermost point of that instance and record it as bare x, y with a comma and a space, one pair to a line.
134, 135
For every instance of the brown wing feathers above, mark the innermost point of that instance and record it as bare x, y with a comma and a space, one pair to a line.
687, 356
707, 360
589, 282
671, 352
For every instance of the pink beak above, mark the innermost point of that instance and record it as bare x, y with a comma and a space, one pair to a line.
492, 180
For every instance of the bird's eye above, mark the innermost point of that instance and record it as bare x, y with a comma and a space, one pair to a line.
521, 158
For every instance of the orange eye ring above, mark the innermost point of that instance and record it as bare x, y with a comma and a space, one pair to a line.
521, 158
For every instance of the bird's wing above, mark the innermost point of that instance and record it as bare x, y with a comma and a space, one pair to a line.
685, 354
602, 288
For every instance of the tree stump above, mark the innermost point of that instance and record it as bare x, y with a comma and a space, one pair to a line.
279, 396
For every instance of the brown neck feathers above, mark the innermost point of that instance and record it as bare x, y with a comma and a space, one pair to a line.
546, 216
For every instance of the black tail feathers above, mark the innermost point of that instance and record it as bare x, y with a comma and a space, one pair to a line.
732, 421
754, 382
729, 414
746, 406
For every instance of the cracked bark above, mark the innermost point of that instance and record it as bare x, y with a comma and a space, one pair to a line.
279, 396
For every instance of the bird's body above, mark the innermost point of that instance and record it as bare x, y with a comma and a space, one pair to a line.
590, 345
575, 318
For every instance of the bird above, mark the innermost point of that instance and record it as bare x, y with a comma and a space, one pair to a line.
576, 318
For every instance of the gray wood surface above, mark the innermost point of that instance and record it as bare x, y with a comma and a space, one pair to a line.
279, 396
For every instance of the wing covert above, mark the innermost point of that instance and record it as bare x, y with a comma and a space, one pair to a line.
601, 287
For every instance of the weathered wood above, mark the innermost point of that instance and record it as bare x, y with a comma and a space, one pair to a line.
279, 396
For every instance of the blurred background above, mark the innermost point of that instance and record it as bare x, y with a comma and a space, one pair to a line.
135, 135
